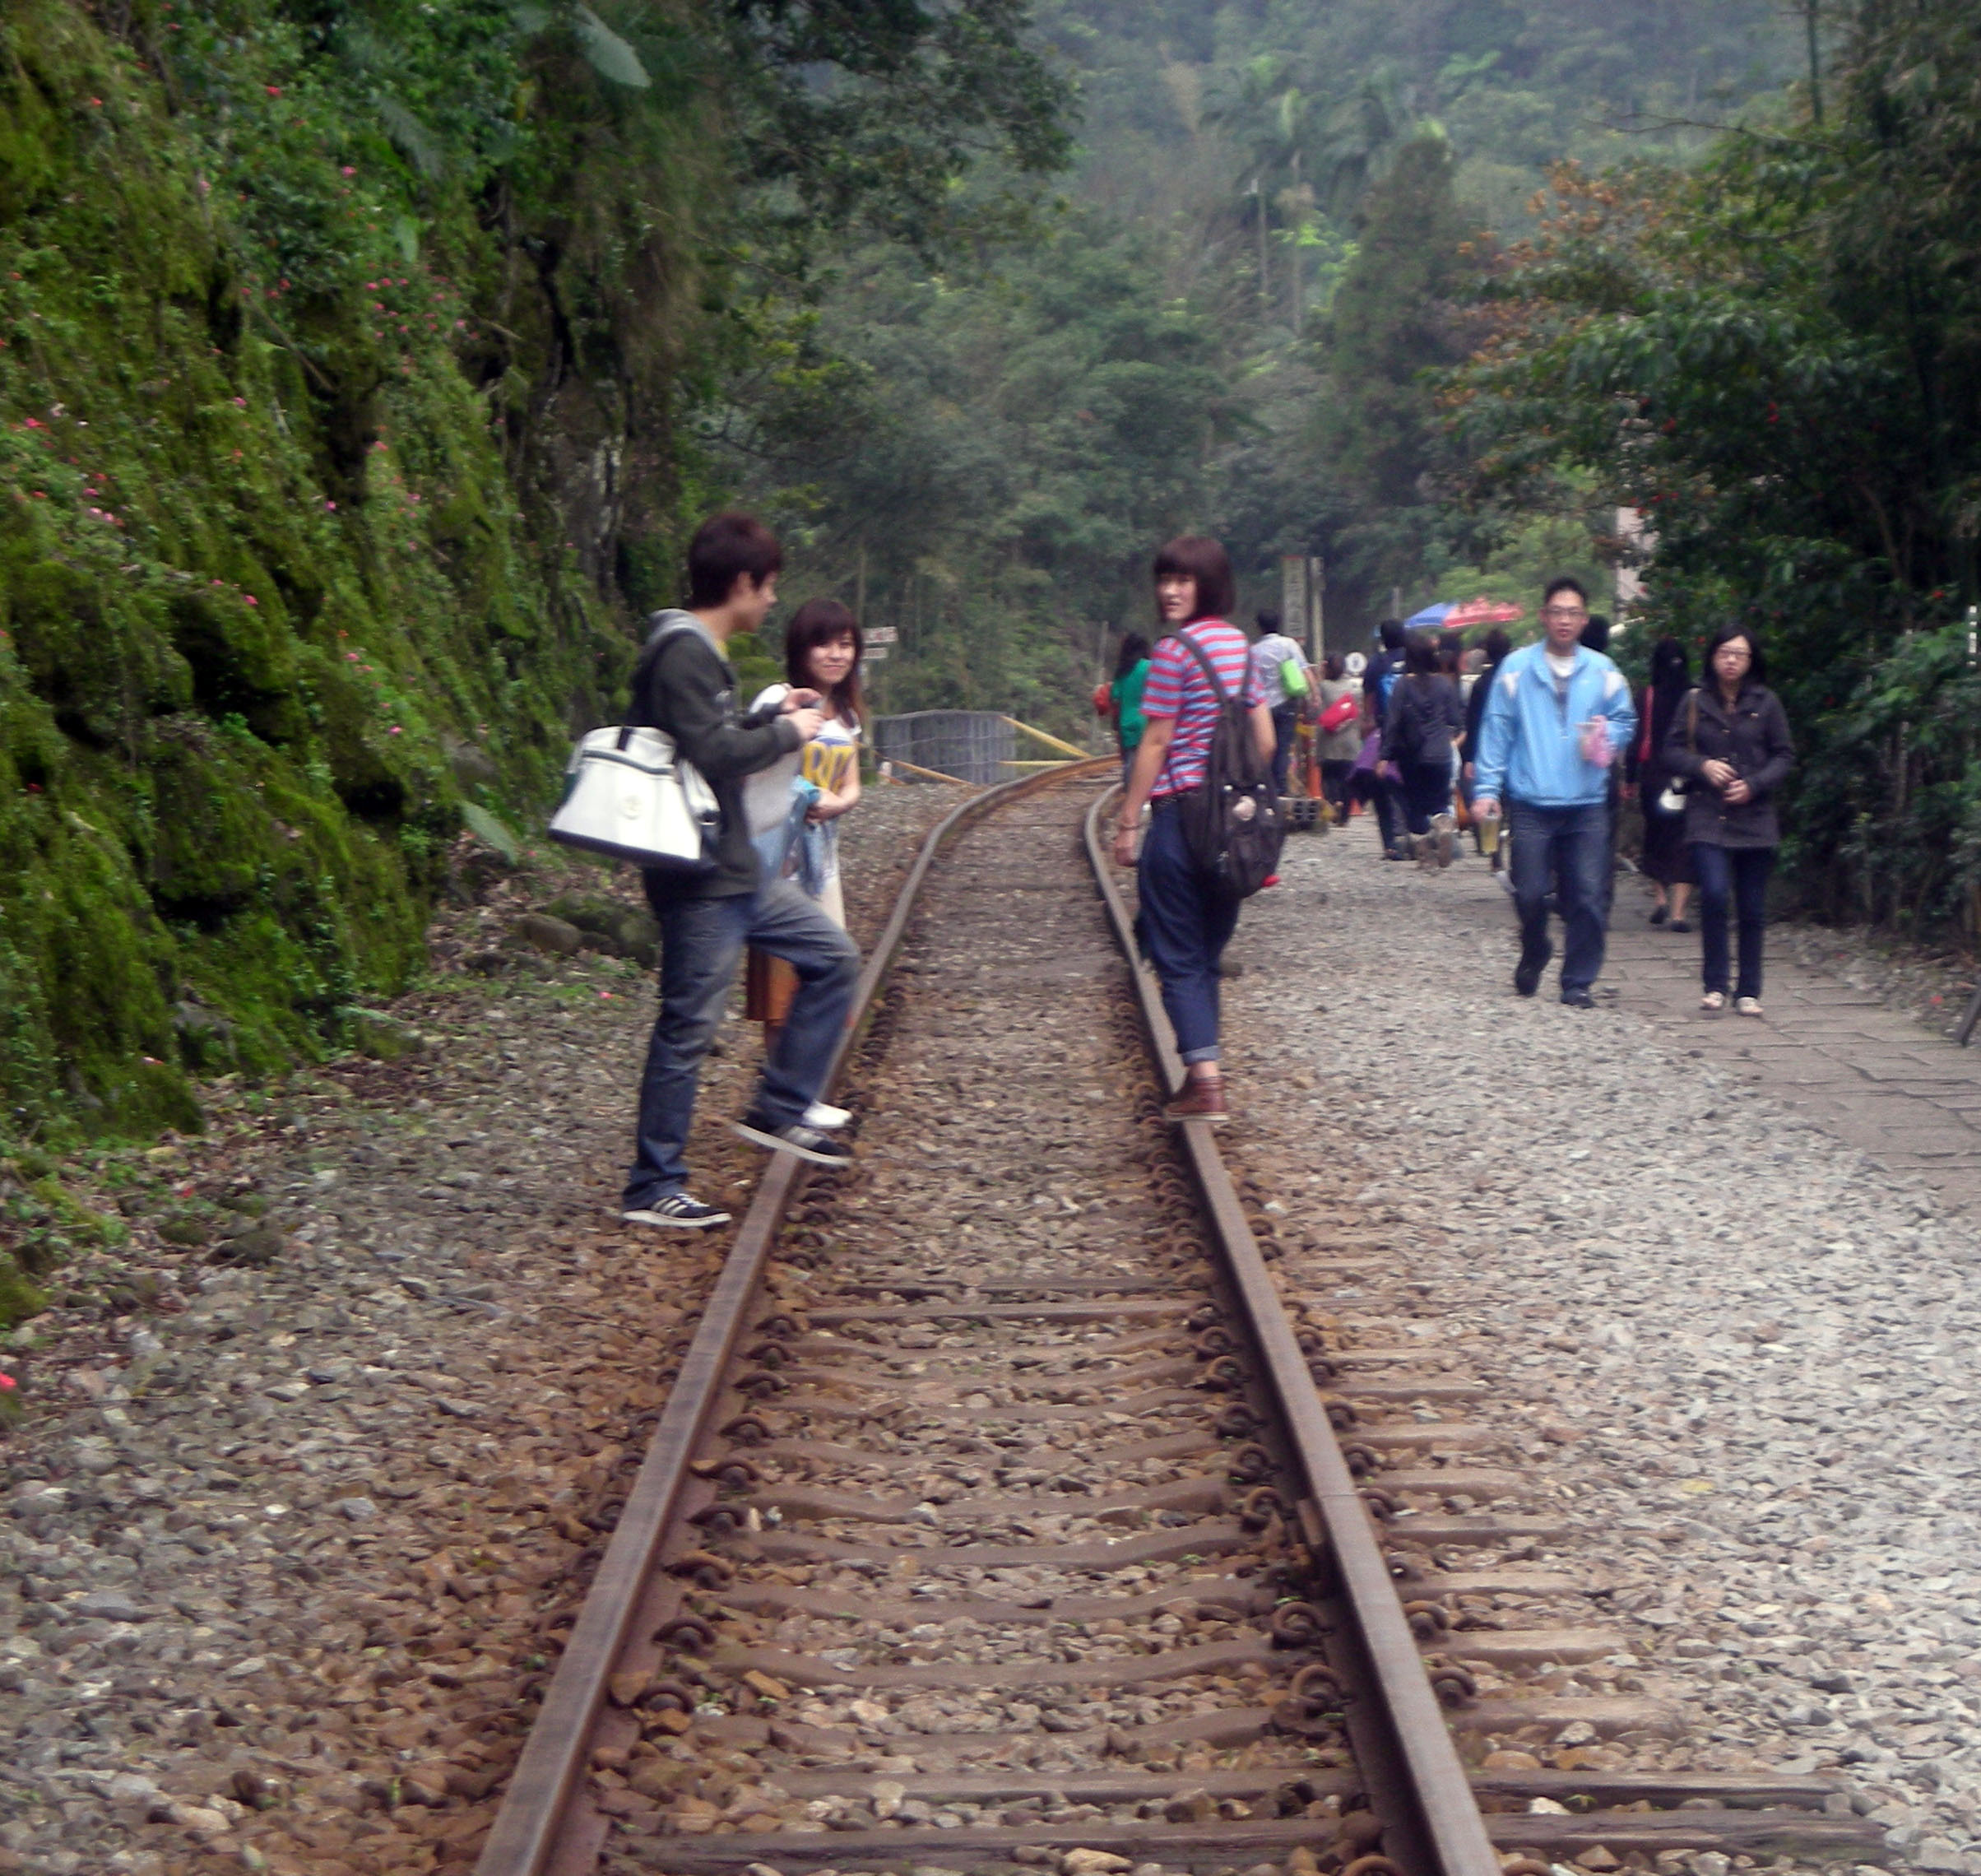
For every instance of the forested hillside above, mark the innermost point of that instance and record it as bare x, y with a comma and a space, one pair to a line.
1277, 219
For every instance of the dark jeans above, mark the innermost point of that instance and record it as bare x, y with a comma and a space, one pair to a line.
1334, 784
700, 942
1183, 928
1286, 731
1738, 875
1426, 792
1389, 811
1566, 849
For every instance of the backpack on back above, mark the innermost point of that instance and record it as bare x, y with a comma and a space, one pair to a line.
1231, 824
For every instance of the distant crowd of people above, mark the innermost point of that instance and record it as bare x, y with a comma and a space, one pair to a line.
1537, 750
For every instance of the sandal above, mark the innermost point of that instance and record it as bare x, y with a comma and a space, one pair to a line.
1746, 1006
1713, 1002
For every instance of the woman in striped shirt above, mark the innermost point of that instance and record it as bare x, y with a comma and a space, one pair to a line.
1184, 922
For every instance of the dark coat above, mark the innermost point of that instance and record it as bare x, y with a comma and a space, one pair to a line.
1425, 714
686, 687
1475, 708
1753, 736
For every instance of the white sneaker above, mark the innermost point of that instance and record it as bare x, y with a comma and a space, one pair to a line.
827, 1119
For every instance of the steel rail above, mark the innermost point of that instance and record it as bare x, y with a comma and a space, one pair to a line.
550, 1773
1419, 1785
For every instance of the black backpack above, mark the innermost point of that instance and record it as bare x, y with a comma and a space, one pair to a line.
1232, 825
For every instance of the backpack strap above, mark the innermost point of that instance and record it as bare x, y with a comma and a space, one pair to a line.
1210, 677
1209, 670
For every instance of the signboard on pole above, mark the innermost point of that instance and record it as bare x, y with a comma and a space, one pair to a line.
1303, 579
875, 654
882, 635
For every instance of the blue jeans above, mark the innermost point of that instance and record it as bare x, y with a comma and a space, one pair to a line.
1738, 875
1286, 733
1183, 928
1566, 849
701, 940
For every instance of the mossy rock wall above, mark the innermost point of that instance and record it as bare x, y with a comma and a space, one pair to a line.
273, 597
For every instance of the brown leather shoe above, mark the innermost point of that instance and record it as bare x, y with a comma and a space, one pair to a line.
1199, 1101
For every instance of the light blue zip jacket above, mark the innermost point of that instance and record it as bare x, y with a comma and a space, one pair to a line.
1530, 740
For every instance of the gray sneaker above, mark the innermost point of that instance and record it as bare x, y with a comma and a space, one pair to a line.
807, 1143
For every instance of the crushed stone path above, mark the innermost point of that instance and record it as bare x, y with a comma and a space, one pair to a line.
288, 1541
1750, 1341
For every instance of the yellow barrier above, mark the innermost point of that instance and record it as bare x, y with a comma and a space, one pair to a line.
1050, 742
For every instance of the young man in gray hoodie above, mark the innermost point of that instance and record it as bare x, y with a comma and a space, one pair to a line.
684, 685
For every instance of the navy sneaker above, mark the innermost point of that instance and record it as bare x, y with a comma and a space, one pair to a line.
678, 1211
807, 1143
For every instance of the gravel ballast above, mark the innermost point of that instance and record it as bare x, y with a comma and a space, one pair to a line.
315, 1465
1747, 1354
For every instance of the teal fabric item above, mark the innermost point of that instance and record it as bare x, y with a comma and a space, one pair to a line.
1127, 694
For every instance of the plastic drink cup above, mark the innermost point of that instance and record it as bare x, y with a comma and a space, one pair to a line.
1489, 831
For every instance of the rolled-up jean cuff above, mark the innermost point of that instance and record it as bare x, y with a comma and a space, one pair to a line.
1191, 1056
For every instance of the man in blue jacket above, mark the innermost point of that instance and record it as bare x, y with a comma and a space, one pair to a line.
1558, 715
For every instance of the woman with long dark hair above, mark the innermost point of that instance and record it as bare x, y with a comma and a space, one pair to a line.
1125, 695
1186, 921
1729, 739
821, 650
1424, 721
1667, 863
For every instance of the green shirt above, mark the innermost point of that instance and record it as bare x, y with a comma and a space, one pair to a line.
1129, 722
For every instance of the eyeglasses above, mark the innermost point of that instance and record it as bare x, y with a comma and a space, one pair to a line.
1563, 612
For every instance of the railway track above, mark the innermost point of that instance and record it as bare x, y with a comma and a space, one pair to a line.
1005, 1513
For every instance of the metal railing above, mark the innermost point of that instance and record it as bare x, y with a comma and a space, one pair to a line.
972, 745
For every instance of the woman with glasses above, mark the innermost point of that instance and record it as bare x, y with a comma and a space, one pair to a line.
1729, 739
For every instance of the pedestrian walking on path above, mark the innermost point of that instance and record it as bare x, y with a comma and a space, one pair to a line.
1337, 736
1425, 721
1495, 646
1285, 681
685, 685
1730, 740
1185, 919
1385, 790
1558, 715
1124, 696
1667, 863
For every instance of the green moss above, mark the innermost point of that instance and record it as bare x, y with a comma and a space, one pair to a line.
74, 1218
19, 1298
264, 574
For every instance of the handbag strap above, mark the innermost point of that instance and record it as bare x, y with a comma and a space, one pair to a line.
663, 636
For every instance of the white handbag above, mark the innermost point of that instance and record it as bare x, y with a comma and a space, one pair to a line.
629, 795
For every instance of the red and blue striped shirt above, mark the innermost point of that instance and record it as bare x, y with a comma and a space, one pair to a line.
1177, 689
